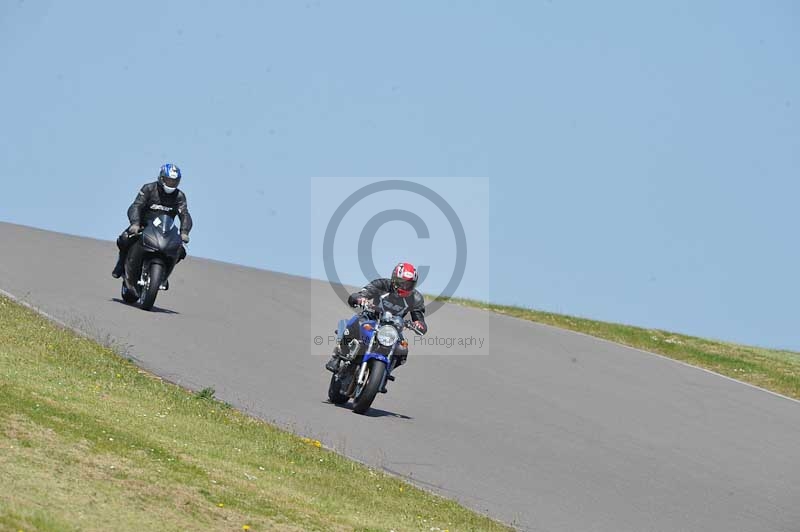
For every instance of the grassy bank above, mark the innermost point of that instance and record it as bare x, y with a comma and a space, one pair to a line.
90, 442
772, 369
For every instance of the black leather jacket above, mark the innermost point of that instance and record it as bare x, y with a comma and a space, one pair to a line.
415, 303
152, 201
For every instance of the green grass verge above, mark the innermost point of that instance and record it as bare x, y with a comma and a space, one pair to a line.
90, 442
771, 369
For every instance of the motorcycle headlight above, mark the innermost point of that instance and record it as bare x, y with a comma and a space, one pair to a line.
387, 335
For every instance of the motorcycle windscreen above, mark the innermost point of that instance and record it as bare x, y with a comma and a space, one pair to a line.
163, 223
161, 235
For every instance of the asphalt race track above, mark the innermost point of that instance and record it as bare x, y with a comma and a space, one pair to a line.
541, 428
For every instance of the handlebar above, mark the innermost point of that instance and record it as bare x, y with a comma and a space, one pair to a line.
141, 232
410, 325
369, 306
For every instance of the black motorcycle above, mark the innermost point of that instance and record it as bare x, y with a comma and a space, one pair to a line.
151, 261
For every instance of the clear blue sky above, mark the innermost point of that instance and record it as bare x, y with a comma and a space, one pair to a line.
643, 159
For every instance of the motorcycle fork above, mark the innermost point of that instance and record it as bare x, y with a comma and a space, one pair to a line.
144, 276
363, 364
388, 367
359, 376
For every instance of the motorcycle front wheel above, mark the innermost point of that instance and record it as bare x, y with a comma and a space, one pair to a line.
151, 285
372, 382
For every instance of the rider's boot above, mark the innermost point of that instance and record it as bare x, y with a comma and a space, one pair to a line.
119, 269
333, 363
131, 287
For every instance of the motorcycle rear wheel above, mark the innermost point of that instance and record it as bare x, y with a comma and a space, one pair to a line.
335, 394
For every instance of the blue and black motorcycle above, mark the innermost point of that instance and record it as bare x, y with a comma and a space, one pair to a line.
366, 361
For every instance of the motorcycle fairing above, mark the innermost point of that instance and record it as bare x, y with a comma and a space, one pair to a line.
161, 235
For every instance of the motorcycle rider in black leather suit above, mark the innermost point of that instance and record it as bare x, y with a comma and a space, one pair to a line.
401, 298
156, 198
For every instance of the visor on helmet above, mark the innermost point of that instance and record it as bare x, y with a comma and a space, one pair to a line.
404, 284
170, 181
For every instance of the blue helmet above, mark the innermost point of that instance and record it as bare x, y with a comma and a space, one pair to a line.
170, 177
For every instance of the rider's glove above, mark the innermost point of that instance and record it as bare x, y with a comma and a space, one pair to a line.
419, 326
133, 229
185, 238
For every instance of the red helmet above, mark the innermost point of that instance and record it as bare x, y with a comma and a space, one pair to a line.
404, 279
